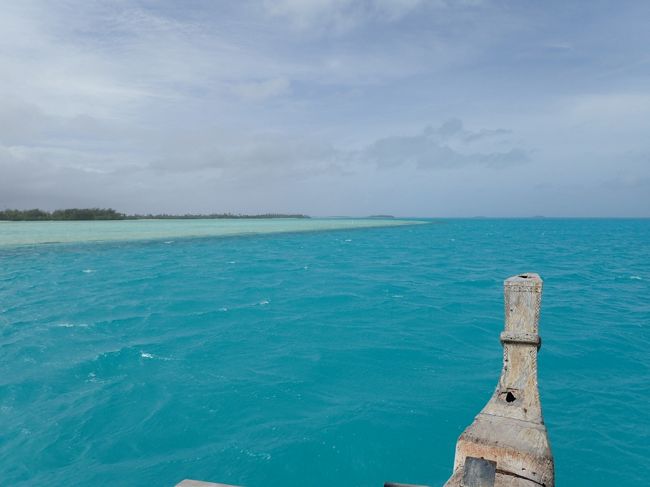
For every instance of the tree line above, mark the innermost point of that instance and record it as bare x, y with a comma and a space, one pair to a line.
110, 214
196, 216
68, 214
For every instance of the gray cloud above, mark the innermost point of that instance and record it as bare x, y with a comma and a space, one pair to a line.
319, 107
442, 147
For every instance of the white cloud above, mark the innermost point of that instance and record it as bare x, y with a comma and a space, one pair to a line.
609, 106
260, 90
340, 16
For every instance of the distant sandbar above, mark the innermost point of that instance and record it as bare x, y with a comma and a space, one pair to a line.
34, 233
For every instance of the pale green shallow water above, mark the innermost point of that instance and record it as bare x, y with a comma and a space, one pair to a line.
26, 233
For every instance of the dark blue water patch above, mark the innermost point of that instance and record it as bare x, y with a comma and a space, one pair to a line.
346, 357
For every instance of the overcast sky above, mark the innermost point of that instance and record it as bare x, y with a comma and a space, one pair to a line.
341, 107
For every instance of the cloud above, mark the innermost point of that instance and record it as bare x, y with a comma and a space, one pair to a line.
21, 122
339, 15
442, 147
609, 106
343, 16
484, 133
260, 90
321, 106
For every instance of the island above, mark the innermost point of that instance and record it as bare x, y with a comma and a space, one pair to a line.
89, 214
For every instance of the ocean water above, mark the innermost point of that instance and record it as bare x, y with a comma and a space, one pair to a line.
345, 357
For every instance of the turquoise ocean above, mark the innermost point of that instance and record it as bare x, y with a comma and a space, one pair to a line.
347, 356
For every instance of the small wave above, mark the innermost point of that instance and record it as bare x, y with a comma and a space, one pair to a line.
168, 242
147, 355
72, 325
637, 278
88, 271
264, 302
232, 262
348, 240
262, 455
223, 309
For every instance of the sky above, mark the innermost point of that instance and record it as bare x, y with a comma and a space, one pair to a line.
342, 107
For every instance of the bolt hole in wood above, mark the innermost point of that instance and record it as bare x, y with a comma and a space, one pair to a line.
510, 397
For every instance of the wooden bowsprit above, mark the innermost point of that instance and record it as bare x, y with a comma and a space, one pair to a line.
507, 444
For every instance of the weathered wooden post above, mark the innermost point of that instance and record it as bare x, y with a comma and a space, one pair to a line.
507, 444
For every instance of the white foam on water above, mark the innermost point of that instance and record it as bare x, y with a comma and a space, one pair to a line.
638, 278
262, 455
264, 302
88, 271
72, 325
224, 309
146, 355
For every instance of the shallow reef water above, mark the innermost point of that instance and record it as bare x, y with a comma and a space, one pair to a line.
338, 357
